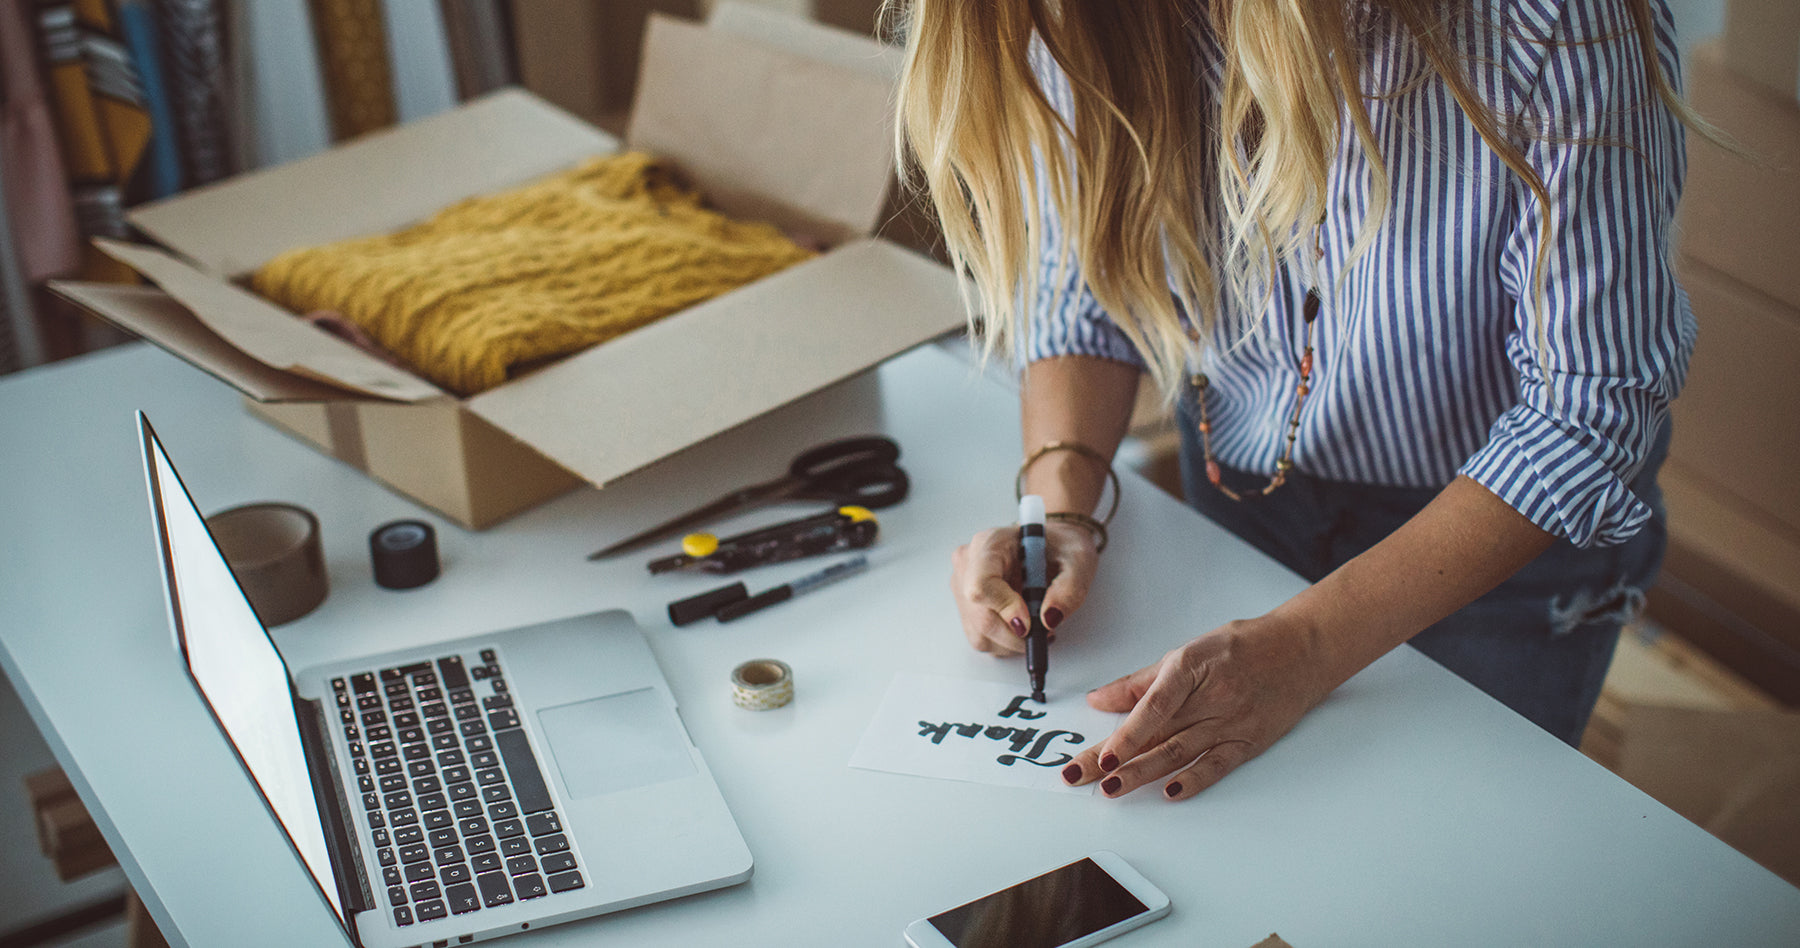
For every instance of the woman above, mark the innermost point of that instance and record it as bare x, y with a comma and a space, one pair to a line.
1403, 263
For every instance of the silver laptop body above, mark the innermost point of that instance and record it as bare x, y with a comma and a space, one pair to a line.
404, 779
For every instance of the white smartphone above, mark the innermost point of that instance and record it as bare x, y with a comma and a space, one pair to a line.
1083, 903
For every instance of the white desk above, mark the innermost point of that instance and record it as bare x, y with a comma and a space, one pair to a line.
1408, 809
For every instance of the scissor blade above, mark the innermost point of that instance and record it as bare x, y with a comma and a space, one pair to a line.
718, 508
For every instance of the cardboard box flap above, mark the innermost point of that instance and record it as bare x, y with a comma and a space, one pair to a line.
726, 361
154, 315
266, 332
765, 133
376, 184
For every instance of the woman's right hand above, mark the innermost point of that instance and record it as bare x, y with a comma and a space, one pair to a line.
985, 576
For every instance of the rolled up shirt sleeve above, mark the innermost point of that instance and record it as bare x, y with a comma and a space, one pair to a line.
1602, 353
1063, 318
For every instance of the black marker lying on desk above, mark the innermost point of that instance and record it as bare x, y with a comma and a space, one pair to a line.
1033, 555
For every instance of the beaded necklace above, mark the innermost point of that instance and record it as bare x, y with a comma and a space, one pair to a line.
1310, 312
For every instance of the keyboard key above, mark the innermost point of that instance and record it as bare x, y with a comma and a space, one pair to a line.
559, 862
486, 862
423, 678
490, 776
499, 684
397, 800
479, 743
456, 774
564, 881
337, 684
387, 765
403, 915
504, 810
390, 875
462, 696
467, 808
415, 752
475, 826
479, 672
440, 726
452, 670
385, 855
433, 801
433, 910
404, 817
494, 890
411, 735
396, 895
488, 656
541, 823
446, 855
462, 791
376, 820
438, 819
517, 846
458, 872
356, 748
406, 719
433, 709
393, 782
352, 732
347, 717
381, 749
506, 828
371, 800
496, 702
495, 793
414, 853
450, 758
361, 765
521, 763
381, 837
530, 886
423, 891
370, 702
419, 871
363, 682
402, 703
501, 720
463, 898
378, 732
426, 785
374, 719
519, 865
429, 694
408, 834
468, 712
443, 838
482, 759
444, 742
397, 688
418, 768
552, 844
479, 844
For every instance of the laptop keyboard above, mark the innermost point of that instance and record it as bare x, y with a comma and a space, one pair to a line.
451, 791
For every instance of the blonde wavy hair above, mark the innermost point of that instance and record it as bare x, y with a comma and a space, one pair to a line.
1127, 171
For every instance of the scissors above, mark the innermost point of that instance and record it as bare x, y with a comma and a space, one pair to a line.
852, 471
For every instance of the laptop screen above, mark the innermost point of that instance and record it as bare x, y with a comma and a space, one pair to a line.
234, 664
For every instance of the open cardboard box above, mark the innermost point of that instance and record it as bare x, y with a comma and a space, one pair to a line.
778, 120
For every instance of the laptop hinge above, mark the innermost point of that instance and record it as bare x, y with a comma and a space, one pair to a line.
334, 810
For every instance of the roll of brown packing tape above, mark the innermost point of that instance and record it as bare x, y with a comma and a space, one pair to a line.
762, 684
274, 551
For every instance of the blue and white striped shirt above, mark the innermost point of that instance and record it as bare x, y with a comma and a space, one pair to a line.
1428, 359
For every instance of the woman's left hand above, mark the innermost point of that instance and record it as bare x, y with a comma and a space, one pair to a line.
1207, 707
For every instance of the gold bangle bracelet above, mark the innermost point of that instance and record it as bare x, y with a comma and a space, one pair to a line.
1092, 526
1086, 452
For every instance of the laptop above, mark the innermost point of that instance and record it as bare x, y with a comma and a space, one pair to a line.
458, 792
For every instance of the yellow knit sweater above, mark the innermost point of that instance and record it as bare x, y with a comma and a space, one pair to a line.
497, 284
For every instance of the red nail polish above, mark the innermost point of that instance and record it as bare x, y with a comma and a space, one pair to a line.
1111, 785
1018, 627
1108, 762
1071, 773
1173, 790
1052, 617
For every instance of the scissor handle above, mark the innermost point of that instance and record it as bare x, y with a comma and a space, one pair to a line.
818, 462
875, 484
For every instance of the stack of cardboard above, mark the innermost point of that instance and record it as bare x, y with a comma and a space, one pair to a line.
1731, 582
65, 832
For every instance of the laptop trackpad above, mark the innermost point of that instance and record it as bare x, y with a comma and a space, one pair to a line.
615, 743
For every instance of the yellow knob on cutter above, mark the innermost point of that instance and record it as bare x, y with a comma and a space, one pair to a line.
856, 514
699, 544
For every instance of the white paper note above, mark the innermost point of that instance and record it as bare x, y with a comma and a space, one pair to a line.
980, 731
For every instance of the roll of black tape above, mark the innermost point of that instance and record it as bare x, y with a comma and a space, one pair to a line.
404, 553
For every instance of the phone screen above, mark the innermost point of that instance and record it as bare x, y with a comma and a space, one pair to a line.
1053, 909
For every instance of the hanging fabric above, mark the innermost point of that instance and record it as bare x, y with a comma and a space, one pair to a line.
32, 172
194, 72
353, 59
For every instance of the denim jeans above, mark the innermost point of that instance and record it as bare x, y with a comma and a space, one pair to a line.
1540, 642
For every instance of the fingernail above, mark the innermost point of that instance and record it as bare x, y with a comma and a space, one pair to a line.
1108, 762
1018, 627
1173, 790
1071, 773
1110, 785
1052, 617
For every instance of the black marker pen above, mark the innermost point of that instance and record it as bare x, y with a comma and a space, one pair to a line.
1033, 554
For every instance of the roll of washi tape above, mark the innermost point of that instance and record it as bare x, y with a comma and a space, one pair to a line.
762, 684
274, 552
404, 554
